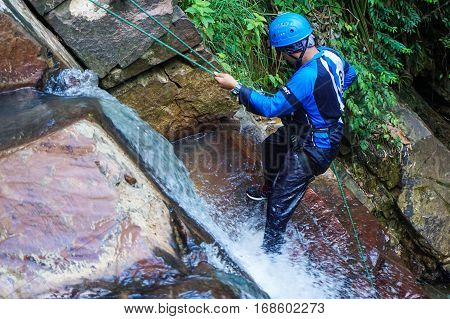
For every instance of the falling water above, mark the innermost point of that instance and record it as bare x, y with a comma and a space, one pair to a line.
221, 177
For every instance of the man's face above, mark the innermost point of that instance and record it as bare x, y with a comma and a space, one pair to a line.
291, 60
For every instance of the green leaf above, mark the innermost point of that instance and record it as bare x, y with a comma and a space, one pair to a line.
364, 145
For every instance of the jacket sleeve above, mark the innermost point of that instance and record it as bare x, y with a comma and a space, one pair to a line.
349, 75
286, 100
268, 106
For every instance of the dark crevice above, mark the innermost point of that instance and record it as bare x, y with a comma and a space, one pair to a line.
171, 80
423, 86
434, 110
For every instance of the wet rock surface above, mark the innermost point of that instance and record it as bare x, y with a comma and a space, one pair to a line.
321, 251
21, 63
27, 114
29, 53
67, 214
391, 274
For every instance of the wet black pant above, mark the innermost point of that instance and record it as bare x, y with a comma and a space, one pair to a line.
290, 162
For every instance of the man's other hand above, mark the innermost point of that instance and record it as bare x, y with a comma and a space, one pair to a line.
225, 80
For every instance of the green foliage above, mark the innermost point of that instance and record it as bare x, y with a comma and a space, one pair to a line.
382, 39
200, 11
238, 38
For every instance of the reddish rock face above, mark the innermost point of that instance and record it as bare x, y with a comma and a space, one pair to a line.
20, 62
324, 222
67, 213
319, 234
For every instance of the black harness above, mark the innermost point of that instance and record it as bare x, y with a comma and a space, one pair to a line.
299, 119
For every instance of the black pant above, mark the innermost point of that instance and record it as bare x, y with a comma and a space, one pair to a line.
290, 163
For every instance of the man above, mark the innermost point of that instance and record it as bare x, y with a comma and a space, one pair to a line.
310, 106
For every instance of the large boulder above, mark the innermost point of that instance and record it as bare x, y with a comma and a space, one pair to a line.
426, 186
103, 43
176, 98
157, 53
408, 188
29, 52
84, 212
85, 219
169, 94
21, 63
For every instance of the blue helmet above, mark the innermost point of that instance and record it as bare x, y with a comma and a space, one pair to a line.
289, 28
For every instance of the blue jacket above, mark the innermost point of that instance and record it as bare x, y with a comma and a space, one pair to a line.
313, 96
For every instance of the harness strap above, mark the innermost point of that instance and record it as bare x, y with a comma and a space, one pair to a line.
297, 104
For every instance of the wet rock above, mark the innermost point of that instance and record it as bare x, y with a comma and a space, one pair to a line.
28, 114
169, 286
29, 52
176, 99
425, 185
66, 220
249, 126
320, 249
80, 229
57, 54
44, 6
21, 63
392, 277
190, 288
155, 279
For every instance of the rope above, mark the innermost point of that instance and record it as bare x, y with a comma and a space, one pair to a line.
134, 26
355, 233
126, 21
175, 36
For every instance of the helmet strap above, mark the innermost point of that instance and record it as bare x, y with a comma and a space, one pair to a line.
300, 59
303, 53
